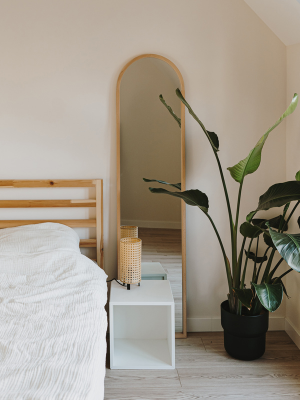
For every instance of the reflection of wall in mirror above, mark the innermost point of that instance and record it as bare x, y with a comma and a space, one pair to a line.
150, 144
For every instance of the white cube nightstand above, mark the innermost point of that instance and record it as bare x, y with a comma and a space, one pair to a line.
142, 326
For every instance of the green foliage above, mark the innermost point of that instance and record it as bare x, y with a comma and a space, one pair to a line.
250, 216
279, 280
288, 246
175, 185
251, 163
245, 296
212, 137
275, 222
177, 119
192, 197
268, 241
269, 295
266, 294
250, 231
279, 194
255, 258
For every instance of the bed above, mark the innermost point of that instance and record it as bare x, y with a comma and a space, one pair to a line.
52, 317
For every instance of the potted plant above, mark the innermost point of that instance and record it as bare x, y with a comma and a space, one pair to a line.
244, 315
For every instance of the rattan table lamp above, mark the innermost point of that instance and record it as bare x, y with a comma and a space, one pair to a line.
129, 231
130, 261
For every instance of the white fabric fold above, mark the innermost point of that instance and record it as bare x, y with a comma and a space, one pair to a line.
52, 318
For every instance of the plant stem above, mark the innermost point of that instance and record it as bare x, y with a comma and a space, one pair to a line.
286, 272
275, 268
221, 174
238, 204
233, 241
291, 213
267, 270
227, 266
258, 272
237, 272
240, 260
245, 266
254, 269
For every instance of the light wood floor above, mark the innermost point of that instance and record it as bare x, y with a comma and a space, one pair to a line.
205, 371
164, 246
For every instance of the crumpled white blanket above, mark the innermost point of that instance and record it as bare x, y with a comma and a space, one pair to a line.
52, 318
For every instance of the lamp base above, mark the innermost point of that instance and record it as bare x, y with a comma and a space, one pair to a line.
128, 285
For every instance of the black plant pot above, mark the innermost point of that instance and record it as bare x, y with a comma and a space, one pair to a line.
244, 337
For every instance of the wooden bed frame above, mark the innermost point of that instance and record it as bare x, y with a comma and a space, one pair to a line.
72, 223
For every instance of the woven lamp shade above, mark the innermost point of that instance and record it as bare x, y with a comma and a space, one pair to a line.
130, 260
129, 231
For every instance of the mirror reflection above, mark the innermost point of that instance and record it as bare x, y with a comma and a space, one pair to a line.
150, 147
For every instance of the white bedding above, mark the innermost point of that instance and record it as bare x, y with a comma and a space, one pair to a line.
52, 318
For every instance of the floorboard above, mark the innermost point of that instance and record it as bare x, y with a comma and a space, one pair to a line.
205, 371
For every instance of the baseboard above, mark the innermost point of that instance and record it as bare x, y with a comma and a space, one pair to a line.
153, 224
214, 325
292, 332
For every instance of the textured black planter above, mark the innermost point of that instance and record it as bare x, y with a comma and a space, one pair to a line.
244, 337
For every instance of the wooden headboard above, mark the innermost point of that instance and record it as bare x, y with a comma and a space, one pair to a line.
73, 223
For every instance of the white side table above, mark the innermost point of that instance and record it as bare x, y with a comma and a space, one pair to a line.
142, 326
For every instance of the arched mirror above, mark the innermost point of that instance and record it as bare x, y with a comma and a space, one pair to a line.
150, 144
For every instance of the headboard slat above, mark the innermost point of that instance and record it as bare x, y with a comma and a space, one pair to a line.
72, 223
48, 183
46, 203
88, 243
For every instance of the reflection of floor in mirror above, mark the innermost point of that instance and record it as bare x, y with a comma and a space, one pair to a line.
164, 246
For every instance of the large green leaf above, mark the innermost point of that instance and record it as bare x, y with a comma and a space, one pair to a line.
251, 163
253, 257
175, 185
212, 137
288, 246
278, 280
279, 194
245, 296
275, 222
269, 241
250, 231
177, 119
297, 177
192, 197
250, 216
270, 296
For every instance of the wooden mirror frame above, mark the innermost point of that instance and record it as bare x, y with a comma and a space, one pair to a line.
183, 334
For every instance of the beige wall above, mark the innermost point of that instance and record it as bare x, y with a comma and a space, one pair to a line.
292, 166
150, 144
59, 65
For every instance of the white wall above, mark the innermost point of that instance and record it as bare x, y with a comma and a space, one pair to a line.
292, 166
59, 64
150, 144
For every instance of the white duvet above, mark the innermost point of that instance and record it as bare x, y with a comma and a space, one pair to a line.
52, 318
